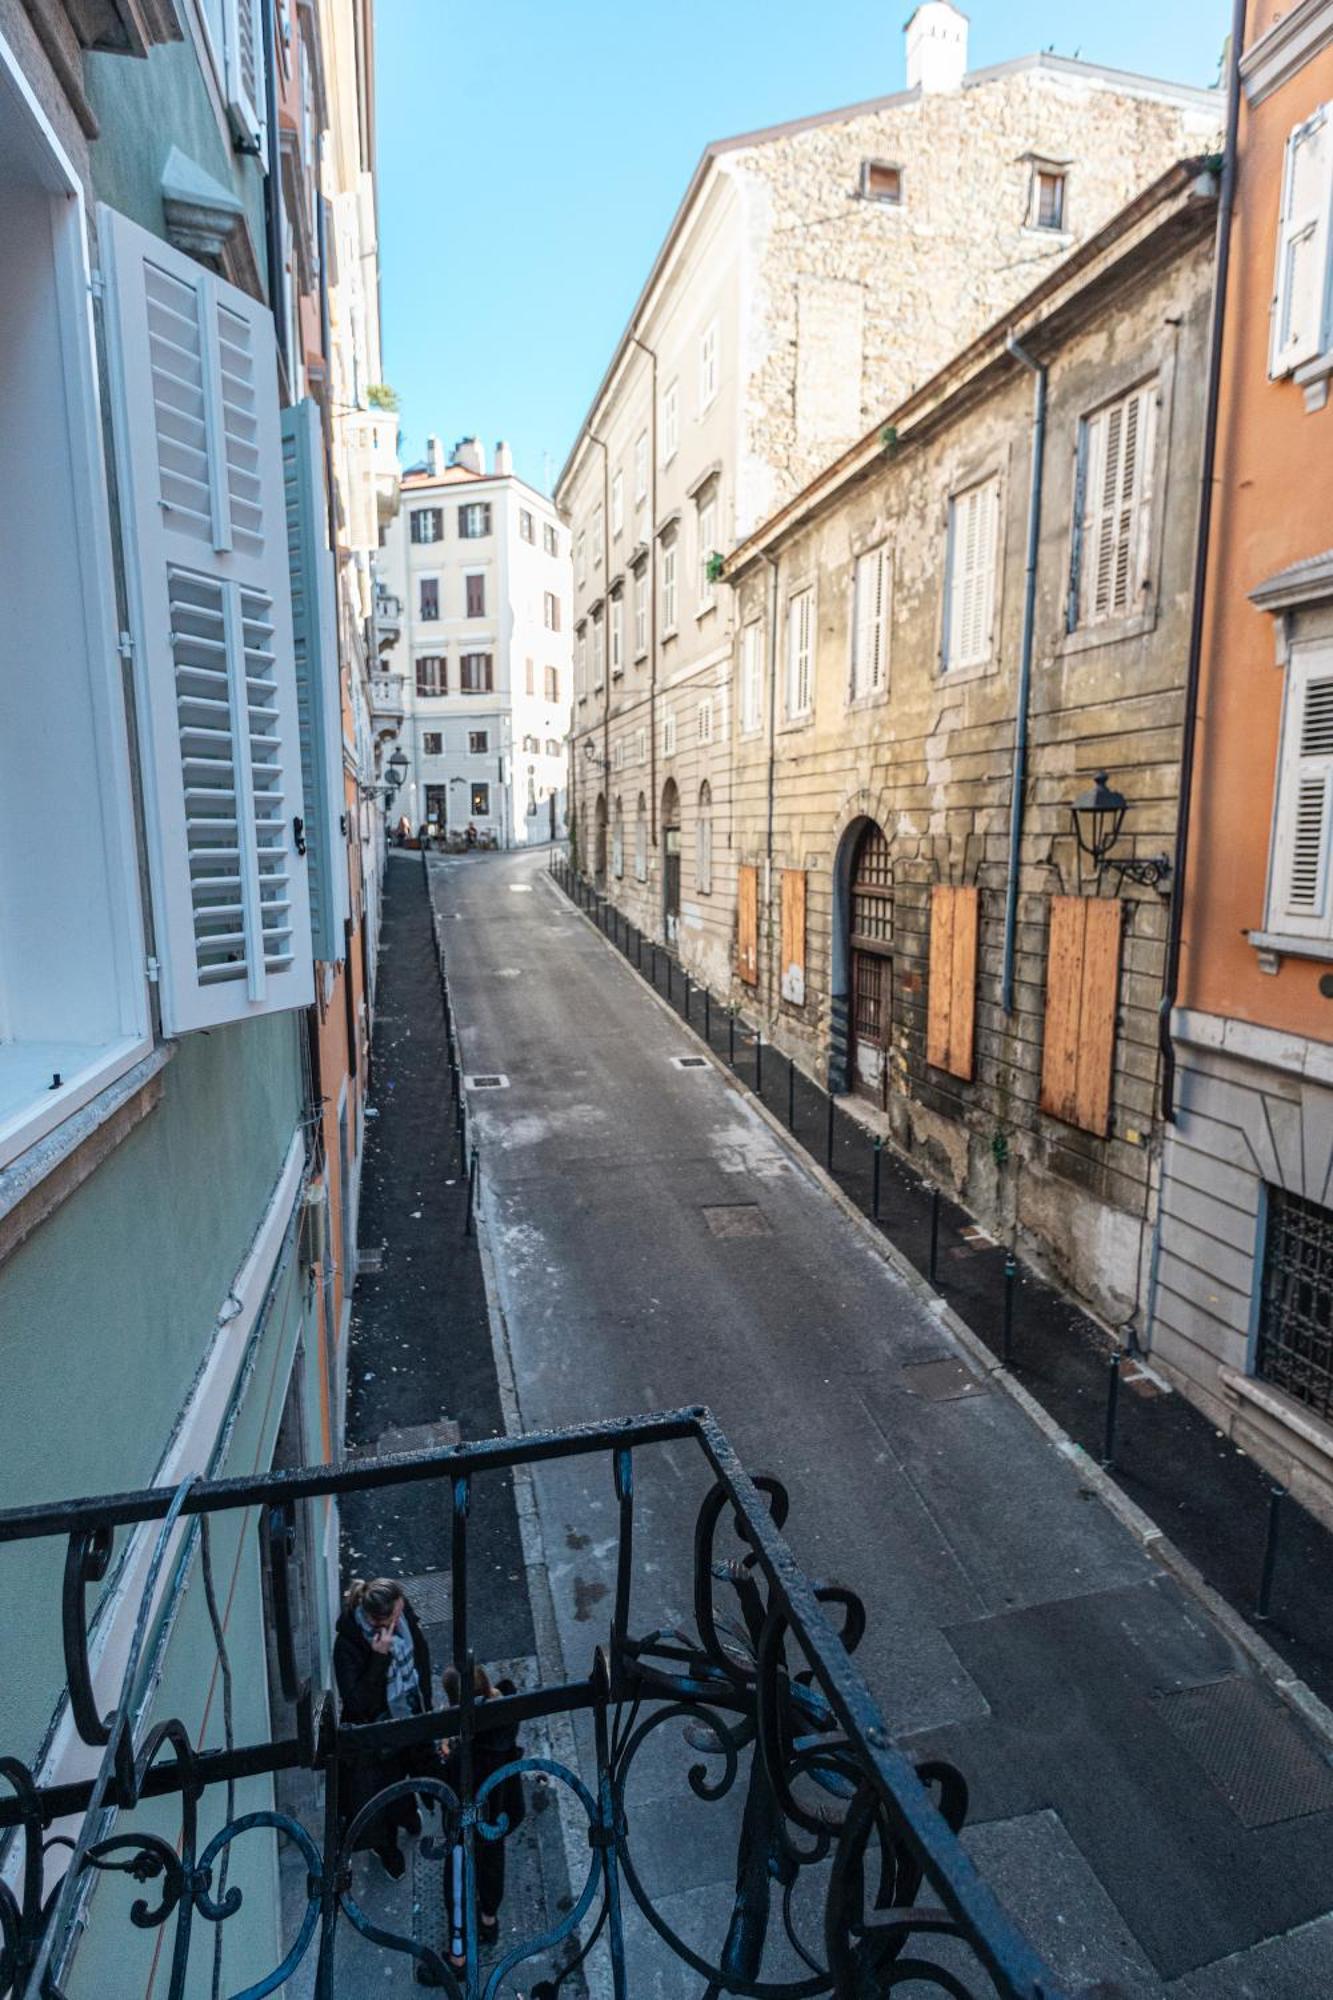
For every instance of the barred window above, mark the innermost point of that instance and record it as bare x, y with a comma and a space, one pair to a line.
872, 890
1295, 1350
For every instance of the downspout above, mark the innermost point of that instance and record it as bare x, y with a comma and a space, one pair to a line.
1019, 775
1207, 472
277, 277
606, 619
773, 606
651, 352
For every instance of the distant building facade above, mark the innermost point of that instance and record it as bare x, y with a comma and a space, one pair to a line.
478, 568
815, 273
1243, 1294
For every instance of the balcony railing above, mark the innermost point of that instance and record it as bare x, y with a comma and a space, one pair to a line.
848, 1864
386, 698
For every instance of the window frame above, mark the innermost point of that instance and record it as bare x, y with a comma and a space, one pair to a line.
709, 370
800, 611
527, 526
416, 514
670, 420
878, 689
617, 504
670, 588
479, 743
705, 517
753, 674
867, 193
959, 668
616, 617
480, 790
432, 743
1155, 363
474, 578
1047, 170
441, 660
468, 509
1285, 356
641, 467
640, 575
703, 841
488, 677
430, 581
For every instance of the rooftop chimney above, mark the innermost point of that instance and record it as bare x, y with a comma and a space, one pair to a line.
469, 454
504, 460
434, 457
936, 47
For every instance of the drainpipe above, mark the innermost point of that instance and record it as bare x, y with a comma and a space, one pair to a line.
277, 276
1018, 781
1207, 472
651, 352
773, 607
606, 619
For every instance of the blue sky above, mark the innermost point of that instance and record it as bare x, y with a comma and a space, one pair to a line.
532, 153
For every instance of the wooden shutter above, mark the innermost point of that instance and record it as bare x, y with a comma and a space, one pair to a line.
1301, 280
243, 70
1082, 985
871, 608
951, 1019
318, 686
747, 923
974, 521
1117, 484
793, 935
1300, 903
199, 464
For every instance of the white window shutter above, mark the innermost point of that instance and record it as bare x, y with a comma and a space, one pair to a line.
1300, 903
1300, 292
199, 466
243, 71
318, 688
973, 541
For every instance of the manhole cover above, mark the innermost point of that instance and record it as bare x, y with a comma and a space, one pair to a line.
941, 1380
690, 1062
740, 1218
429, 1596
487, 1082
1252, 1749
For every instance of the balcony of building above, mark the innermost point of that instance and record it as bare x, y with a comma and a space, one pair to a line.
387, 614
386, 704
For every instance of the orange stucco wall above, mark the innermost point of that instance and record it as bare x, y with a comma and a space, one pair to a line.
1273, 504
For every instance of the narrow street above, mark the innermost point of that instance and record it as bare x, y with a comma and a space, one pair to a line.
1145, 1806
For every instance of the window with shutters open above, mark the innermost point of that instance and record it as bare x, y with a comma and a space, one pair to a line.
200, 473
1110, 571
243, 72
1300, 902
318, 683
800, 645
870, 624
973, 541
1299, 328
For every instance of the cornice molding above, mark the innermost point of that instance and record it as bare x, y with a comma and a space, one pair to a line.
1285, 48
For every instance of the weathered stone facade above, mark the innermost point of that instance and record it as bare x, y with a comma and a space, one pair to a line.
930, 758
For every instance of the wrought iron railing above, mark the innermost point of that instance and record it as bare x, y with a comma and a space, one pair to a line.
849, 1874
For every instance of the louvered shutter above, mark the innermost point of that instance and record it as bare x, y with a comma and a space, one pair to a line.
243, 70
199, 465
1300, 293
1117, 485
1300, 902
318, 689
870, 619
974, 520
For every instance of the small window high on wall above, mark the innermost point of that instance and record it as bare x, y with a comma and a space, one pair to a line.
882, 181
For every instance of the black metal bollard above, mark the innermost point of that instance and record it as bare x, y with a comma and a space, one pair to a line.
708, 1016
828, 1136
471, 1192
758, 1062
668, 979
1006, 1336
874, 1180
1112, 1412
638, 949
1276, 1495
731, 1036
653, 974
934, 1237
687, 999
791, 1094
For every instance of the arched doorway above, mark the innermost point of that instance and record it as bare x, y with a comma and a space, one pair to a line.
599, 856
863, 962
671, 860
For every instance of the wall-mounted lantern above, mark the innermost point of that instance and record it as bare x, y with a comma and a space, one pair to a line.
1098, 817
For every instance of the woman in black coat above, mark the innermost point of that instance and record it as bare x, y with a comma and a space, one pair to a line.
491, 1750
381, 1663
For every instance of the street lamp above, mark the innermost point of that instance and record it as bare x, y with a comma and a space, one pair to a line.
1098, 816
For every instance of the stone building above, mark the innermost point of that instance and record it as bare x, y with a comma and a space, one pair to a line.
1243, 1298
1001, 1026
814, 274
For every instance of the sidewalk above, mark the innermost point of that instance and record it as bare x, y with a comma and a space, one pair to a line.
1140, 1798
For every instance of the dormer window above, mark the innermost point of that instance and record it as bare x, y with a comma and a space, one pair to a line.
882, 181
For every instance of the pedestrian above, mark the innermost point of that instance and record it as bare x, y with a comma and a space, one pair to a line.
423, 837
492, 1749
471, 835
381, 1663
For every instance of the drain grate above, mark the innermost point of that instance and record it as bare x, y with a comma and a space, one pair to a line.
429, 1596
370, 1263
942, 1380
1252, 1749
690, 1062
741, 1218
487, 1082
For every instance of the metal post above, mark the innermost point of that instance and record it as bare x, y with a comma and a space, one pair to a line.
1276, 1495
731, 1036
471, 1191
874, 1180
708, 1016
638, 949
668, 979
758, 1062
654, 970
828, 1136
1112, 1411
934, 1236
1010, 1273
791, 1094
687, 999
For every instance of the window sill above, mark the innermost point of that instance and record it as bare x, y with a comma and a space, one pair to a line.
975, 671
640, 656
705, 611
792, 723
1312, 377
1060, 239
857, 702
35, 1184
1274, 946
1247, 1388
1085, 637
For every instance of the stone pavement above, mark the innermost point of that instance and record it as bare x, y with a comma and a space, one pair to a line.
1144, 1804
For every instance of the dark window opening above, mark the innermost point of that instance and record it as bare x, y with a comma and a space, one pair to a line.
1295, 1349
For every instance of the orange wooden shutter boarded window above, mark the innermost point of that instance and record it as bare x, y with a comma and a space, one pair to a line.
1082, 983
951, 1021
793, 935
747, 924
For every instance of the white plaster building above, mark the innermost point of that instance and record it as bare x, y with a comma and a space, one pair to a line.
481, 567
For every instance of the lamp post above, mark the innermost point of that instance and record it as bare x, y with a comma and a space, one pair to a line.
1098, 816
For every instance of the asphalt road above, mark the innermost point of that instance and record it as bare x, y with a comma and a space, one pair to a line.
1144, 1806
